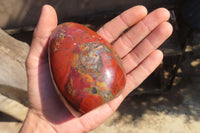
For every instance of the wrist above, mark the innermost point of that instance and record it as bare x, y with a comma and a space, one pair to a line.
35, 124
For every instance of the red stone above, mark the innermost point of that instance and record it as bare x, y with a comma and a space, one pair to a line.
84, 68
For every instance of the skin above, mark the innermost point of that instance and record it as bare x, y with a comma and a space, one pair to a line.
137, 49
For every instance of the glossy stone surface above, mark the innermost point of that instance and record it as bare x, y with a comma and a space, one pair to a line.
84, 68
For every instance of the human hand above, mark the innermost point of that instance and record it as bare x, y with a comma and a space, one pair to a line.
137, 49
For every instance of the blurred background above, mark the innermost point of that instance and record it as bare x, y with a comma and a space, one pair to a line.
167, 102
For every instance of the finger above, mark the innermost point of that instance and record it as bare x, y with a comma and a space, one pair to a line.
142, 71
46, 24
111, 30
148, 45
137, 33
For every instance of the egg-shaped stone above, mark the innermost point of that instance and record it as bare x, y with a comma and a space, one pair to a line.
85, 69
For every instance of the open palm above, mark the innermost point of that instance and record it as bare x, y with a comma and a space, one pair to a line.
137, 48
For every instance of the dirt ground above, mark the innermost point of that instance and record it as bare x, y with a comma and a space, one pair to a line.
174, 111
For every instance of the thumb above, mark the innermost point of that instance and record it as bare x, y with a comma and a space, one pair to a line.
46, 24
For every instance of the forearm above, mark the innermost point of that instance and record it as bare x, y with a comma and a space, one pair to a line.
34, 124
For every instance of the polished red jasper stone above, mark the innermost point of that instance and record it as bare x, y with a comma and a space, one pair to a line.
84, 68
